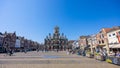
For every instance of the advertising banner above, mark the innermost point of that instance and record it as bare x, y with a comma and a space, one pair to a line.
17, 44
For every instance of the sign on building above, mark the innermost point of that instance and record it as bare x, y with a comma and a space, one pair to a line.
17, 44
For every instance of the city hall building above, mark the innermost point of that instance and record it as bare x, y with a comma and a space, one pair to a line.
56, 41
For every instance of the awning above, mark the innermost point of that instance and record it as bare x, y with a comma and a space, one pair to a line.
110, 46
114, 46
101, 45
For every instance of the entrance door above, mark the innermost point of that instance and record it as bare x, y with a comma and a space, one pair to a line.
55, 47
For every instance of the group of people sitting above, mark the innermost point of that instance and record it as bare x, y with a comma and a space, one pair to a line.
116, 53
10, 52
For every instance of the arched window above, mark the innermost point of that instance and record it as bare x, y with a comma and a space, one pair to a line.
99, 42
102, 41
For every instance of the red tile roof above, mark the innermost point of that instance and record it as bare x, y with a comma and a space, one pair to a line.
107, 29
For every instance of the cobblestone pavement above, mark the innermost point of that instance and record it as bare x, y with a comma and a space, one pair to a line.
50, 60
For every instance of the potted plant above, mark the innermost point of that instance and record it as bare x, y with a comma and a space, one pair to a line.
97, 56
89, 54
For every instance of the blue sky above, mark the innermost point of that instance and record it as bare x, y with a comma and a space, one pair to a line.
34, 19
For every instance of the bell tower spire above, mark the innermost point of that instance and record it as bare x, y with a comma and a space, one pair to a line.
56, 29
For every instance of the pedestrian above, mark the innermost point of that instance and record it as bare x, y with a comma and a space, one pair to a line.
7, 52
57, 50
37, 50
104, 55
115, 53
42, 49
11, 52
118, 54
25, 51
68, 53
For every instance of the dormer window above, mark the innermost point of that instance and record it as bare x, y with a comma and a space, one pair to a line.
109, 35
113, 34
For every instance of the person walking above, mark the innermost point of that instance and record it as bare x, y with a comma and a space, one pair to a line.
68, 53
105, 56
37, 50
7, 52
10, 52
25, 51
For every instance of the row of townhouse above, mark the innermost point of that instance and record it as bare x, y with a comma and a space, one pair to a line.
106, 39
16, 43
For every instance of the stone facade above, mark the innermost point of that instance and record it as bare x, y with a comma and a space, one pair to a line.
92, 41
16, 43
1, 42
70, 43
83, 42
56, 41
102, 39
114, 39
9, 40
